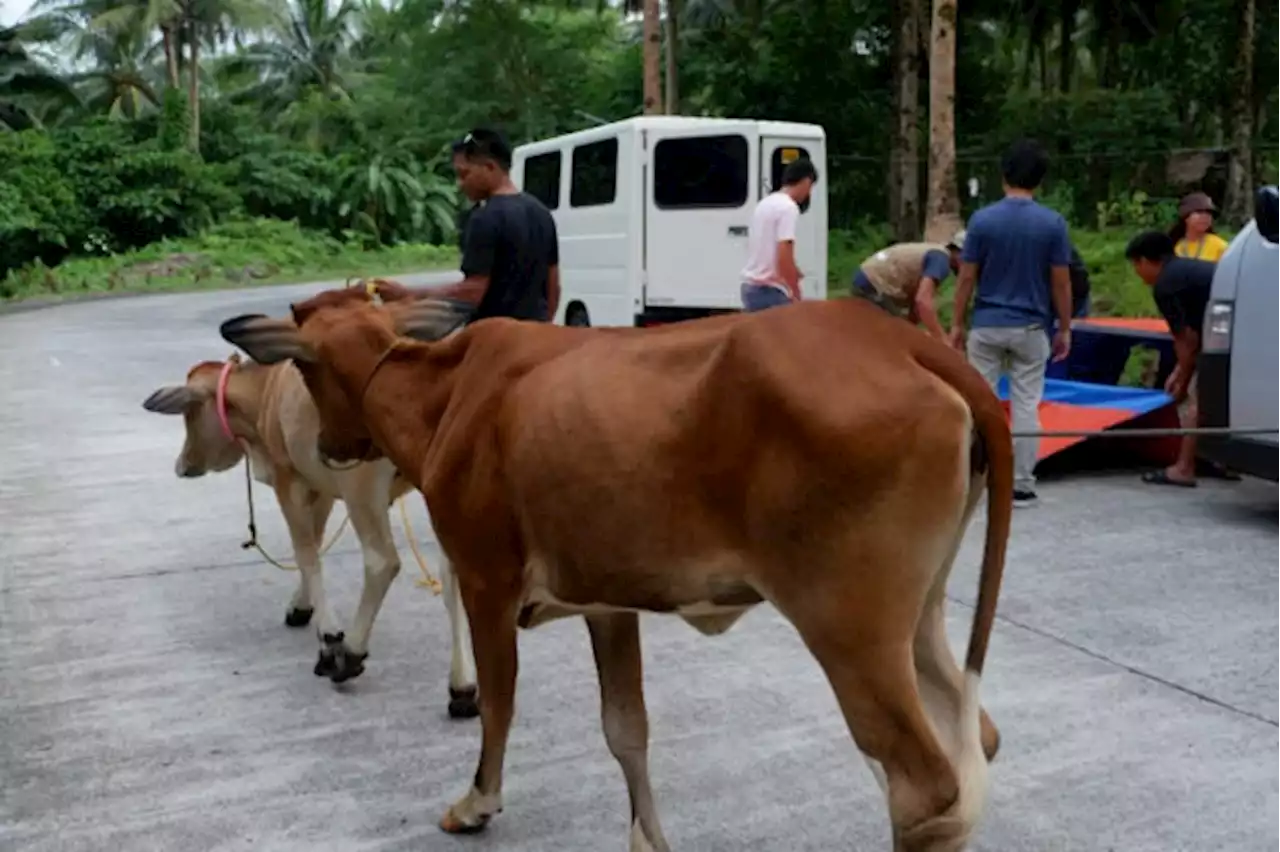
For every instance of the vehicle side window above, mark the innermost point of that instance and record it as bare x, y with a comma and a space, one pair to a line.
782, 157
594, 177
701, 172
542, 178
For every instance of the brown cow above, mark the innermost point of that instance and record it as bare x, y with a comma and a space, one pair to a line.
823, 456
272, 415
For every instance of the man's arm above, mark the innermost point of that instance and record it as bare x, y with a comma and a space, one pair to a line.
965, 282
924, 309
553, 269
787, 268
553, 292
1060, 258
937, 266
477, 262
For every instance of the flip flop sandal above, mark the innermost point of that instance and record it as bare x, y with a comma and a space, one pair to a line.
1160, 477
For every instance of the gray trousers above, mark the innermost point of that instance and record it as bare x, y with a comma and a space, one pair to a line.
1023, 353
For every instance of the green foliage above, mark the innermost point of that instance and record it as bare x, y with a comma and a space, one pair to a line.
237, 253
335, 117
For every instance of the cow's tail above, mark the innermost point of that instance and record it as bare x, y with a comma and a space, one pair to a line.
992, 451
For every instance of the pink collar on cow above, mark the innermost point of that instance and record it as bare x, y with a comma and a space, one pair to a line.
223, 420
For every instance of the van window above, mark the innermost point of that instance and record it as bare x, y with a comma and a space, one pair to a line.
594, 179
783, 157
700, 171
542, 178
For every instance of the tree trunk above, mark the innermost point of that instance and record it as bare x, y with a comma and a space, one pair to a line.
673, 55
1239, 200
943, 218
904, 172
170, 54
193, 91
652, 58
1066, 51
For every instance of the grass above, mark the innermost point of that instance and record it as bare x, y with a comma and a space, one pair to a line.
268, 251
233, 254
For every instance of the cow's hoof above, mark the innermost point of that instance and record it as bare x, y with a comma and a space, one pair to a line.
346, 666
453, 824
463, 704
326, 664
298, 617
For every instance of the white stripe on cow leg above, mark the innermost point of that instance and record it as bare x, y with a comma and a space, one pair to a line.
615, 641
381, 565
300, 507
462, 670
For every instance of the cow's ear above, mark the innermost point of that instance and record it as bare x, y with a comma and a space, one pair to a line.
266, 340
430, 319
173, 399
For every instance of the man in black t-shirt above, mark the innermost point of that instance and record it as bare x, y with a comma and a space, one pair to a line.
1180, 287
510, 252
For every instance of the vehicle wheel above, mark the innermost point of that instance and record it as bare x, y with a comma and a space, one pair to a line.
577, 316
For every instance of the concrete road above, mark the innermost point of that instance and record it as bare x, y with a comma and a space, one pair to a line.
151, 698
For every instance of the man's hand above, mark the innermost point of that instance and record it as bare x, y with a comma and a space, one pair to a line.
1177, 384
956, 337
1061, 344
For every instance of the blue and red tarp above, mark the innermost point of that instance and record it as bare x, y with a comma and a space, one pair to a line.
1082, 393
1085, 406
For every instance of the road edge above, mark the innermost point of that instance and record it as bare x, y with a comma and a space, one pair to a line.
40, 303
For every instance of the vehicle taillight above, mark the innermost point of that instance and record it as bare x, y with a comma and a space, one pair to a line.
1217, 327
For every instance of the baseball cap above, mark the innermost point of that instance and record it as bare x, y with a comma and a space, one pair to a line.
957, 242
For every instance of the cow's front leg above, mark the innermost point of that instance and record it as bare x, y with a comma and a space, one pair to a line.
615, 640
300, 607
381, 566
462, 674
301, 507
494, 609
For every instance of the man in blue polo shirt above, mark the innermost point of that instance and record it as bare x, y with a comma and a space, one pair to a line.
1018, 253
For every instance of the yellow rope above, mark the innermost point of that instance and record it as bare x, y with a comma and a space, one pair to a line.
427, 580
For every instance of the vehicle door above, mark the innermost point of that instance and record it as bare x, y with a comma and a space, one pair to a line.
698, 204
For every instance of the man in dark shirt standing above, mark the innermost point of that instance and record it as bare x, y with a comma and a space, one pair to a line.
1180, 287
510, 252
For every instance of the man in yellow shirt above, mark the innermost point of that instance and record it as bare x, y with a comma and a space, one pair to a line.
1193, 236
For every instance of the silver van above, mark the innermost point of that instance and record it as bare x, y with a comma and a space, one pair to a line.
1239, 373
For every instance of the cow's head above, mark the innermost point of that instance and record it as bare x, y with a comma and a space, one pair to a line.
205, 449
338, 339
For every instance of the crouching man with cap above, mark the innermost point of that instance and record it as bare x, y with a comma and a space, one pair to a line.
904, 279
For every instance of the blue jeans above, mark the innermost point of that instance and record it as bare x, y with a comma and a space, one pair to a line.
757, 297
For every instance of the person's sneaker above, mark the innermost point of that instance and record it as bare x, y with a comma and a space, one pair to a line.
1022, 499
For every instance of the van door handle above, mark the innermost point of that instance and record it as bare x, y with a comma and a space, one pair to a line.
737, 230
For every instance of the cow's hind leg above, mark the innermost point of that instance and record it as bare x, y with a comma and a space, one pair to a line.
615, 640
864, 643
462, 673
345, 658
941, 681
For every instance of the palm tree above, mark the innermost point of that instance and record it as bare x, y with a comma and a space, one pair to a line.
302, 56
27, 87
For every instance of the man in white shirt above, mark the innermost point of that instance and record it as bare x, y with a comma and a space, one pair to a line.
771, 277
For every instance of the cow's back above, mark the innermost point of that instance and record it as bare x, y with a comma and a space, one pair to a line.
706, 434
